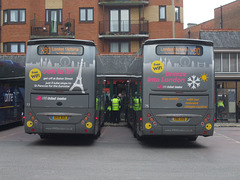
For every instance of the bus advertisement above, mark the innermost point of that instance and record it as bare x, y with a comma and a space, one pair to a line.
177, 93
60, 83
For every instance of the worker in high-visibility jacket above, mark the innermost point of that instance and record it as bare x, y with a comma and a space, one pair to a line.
136, 105
220, 108
115, 109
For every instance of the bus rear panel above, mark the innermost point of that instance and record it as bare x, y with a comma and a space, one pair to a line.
177, 88
60, 87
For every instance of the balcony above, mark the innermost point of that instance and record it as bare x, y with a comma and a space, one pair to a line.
123, 29
123, 2
41, 29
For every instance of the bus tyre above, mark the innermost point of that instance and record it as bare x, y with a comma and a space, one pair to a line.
192, 138
43, 136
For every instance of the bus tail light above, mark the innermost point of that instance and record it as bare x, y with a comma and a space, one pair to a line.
96, 118
140, 118
29, 113
149, 115
23, 117
88, 114
208, 115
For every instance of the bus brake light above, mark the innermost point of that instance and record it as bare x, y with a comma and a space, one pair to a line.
140, 119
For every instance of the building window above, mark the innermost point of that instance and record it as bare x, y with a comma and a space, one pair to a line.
119, 20
162, 13
14, 47
86, 15
177, 14
53, 15
123, 47
14, 16
227, 62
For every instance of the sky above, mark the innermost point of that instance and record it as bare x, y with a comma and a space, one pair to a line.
198, 11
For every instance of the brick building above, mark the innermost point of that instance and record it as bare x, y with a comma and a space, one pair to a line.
224, 31
225, 17
116, 26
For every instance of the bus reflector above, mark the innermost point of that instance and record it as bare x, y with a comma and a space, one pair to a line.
33, 130
151, 132
85, 130
205, 132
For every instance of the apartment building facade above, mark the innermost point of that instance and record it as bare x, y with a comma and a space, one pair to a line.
116, 26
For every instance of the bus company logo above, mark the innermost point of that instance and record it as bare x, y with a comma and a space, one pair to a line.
157, 66
39, 98
35, 74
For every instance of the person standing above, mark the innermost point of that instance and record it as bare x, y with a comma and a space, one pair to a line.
115, 109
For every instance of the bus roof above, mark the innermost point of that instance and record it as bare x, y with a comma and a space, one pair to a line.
60, 41
178, 41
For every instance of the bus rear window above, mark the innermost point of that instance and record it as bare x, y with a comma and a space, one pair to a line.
179, 50
60, 50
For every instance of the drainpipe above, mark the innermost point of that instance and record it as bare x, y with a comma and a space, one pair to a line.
173, 18
221, 20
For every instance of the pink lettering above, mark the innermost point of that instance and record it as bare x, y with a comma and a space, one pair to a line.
178, 74
50, 71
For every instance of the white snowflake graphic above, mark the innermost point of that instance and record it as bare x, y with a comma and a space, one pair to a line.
194, 82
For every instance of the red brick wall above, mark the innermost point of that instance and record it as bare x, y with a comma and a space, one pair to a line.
230, 16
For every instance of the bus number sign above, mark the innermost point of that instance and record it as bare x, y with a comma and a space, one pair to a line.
60, 50
179, 50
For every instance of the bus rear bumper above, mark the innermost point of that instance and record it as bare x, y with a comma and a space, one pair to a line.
177, 131
59, 129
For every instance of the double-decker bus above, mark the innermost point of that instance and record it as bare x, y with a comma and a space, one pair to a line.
176, 96
11, 92
61, 96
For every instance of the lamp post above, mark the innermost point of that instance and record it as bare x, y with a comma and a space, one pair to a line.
69, 21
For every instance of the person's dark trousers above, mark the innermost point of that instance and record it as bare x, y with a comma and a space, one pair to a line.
114, 116
118, 116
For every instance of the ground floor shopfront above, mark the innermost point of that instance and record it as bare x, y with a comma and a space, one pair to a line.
229, 93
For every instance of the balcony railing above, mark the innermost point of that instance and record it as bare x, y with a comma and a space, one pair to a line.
122, 2
131, 28
41, 29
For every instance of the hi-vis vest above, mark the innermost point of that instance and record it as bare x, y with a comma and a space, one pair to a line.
220, 103
115, 104
136, 104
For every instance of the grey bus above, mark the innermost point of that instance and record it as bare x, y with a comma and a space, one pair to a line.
176, 96
61, 95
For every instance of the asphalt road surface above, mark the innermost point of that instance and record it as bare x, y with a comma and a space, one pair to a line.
118, 155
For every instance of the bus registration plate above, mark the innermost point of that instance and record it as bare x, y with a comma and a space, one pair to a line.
179, 119
59, 117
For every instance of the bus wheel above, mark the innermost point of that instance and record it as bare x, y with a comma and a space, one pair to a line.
192, 138
43, 136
